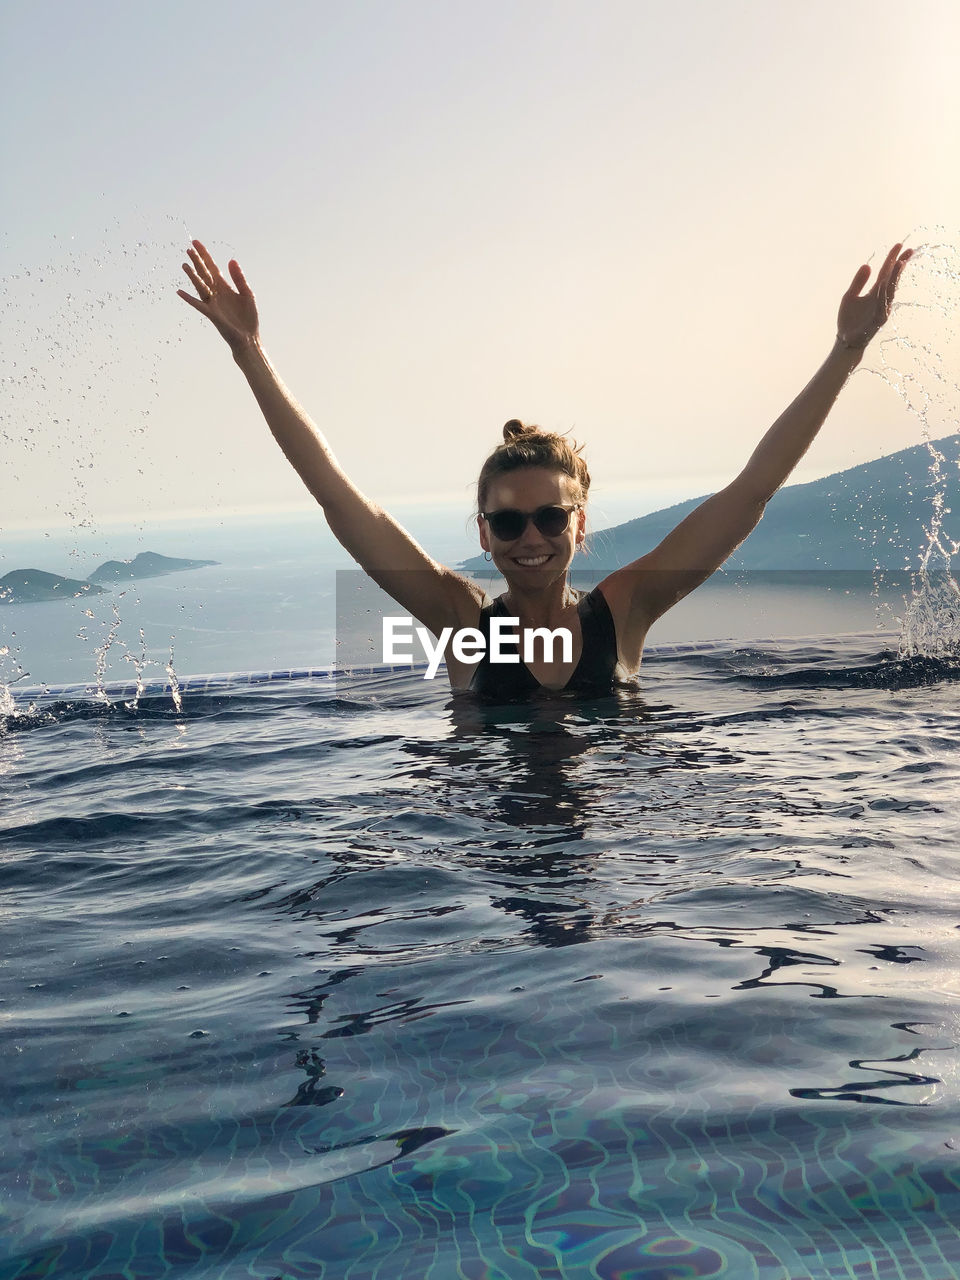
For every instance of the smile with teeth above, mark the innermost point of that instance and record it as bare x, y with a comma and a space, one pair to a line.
531, 562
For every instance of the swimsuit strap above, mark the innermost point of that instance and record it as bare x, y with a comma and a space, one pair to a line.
594, 673
597, 667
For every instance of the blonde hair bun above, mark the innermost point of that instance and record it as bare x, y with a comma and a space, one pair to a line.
526, 445
514, 429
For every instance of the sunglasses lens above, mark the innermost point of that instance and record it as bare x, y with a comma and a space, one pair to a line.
551, 521
507, 525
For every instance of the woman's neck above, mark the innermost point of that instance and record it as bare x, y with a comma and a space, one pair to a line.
543, 608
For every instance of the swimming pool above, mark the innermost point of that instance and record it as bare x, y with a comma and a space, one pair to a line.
321, 978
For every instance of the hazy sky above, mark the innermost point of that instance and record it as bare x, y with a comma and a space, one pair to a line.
630, 219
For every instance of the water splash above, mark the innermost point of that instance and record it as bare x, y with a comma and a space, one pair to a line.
82, 354
11, 673
174, 682
140, 663
917, 358
87, 335
104, 649
931, 625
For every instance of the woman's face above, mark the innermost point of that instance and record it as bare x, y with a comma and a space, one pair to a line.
533, 560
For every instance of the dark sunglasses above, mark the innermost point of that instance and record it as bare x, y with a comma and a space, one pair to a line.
507, 525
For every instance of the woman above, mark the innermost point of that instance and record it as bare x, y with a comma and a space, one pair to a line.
532, 508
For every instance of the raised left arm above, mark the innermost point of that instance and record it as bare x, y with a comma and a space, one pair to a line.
698, 546
794, 431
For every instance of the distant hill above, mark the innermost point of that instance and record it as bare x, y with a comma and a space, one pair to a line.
870, 516
148, 564
30, 586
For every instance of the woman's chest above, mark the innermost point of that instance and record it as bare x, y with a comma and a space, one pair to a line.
517, 658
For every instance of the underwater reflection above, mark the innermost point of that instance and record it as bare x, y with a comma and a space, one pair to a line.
526, 758
508, 830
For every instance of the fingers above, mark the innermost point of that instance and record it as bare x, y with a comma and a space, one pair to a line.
858, 281
894, 279
886, 271
194, 302
200, 251
885, 282
205, 274
900, 264
862, 315
239, 279
201, 268
203, 289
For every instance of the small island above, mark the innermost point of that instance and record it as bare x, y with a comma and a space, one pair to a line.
30, 586
35, 586
148, 564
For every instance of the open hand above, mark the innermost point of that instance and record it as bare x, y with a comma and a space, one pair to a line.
861, 317
233, 311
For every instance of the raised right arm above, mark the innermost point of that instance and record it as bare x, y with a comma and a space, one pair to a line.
435, 595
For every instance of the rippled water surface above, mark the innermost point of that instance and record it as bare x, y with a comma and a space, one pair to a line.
353, 981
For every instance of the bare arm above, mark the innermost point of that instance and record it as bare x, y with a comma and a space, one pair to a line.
699, 544
432, 593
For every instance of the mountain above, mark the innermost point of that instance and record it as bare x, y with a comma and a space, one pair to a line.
29, 586
148, 564
868, 517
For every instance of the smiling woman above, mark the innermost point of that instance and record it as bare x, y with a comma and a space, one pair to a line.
533, 547
532, 498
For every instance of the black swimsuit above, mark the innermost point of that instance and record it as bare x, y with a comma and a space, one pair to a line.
594, 673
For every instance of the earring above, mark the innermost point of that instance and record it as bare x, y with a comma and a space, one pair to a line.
487, 555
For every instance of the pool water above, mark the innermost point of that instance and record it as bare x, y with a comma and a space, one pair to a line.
347, 979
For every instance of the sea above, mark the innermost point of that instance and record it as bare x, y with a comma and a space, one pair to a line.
270, 601
318, 973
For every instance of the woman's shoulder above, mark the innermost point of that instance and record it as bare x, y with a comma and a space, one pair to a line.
492, 606
464, 597
605, 596
620, 591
